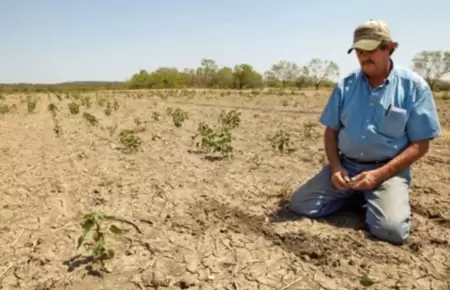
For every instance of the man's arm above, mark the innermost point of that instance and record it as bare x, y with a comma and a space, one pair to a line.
422, 127
331, 119
331, 148
405, 159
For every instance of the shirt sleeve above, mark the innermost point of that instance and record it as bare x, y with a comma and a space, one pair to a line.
423, 122
331, 115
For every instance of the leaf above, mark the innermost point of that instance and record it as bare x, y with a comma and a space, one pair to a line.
87, 225
80, 241
366, 281
111, 253
99, 217
98, 237
110, 217
115, 230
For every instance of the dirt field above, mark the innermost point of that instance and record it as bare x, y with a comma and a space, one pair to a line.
204, 224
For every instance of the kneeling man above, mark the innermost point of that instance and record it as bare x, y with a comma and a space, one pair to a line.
379, 120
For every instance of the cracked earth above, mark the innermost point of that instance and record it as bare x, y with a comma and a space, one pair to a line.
203, 224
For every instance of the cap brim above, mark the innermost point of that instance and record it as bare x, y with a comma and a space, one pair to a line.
365, 44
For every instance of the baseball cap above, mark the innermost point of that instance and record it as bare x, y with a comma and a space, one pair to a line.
370, 34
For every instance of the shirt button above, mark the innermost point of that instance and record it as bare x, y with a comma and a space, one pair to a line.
371, 104
362, 154
364, 137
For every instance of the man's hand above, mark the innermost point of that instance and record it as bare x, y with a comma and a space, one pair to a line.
340, 179
366, 180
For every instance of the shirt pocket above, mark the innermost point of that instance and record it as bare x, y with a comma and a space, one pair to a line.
393, 123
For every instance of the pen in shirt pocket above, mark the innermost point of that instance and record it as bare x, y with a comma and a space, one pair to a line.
388, 110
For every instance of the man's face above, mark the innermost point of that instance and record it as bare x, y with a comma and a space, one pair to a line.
373, 62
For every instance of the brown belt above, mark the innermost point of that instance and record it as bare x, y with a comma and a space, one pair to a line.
375, 162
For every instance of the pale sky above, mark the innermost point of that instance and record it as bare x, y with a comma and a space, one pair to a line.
58, 41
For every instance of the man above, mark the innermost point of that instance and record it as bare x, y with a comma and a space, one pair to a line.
379, 120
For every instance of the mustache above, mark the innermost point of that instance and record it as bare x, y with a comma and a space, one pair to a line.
369, 61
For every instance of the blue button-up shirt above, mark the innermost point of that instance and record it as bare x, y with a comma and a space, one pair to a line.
378, 123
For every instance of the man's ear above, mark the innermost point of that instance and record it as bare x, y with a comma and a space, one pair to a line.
391, 47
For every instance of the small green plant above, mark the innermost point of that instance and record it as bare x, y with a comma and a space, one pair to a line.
57, 129
93, 236
52, 109
256, 161
137, 121
86, 101
75, 96
108, 109
31, 104
74, 108
101, 100
90, 118
4, 109
178, 117
280, 141
230, 120
218, 138
156, 116
308, 129
116, 105
214, 140
130, 141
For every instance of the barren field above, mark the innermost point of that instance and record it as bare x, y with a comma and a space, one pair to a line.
199, 222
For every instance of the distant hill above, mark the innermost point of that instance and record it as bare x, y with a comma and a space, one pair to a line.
64, 86
83, 83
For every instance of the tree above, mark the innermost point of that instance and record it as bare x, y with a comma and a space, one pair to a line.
322, 70
139, 80
303, 82
166, 77
271, 80
432, 65
245, 77
285, 71
223, 78
207, 70
193, 80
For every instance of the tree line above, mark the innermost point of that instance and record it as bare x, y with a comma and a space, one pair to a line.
433, 66
242, 76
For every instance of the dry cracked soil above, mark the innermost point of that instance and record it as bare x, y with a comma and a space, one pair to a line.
200, 223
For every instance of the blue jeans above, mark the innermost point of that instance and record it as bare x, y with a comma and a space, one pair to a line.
388, 215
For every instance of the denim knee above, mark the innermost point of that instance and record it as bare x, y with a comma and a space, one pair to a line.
393, 231
300, 204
